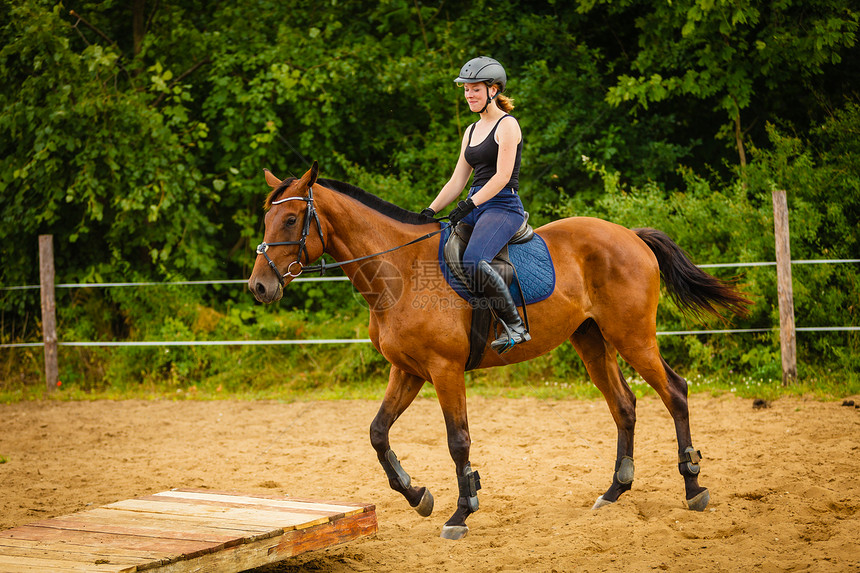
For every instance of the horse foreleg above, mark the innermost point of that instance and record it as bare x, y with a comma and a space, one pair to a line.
600, 361
401, 391
451, 391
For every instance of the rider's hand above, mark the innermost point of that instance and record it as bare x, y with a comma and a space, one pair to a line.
462, 209
428, 212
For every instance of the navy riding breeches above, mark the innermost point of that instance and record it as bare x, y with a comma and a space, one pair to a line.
494, 222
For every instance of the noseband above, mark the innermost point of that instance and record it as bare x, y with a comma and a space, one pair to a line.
310, 215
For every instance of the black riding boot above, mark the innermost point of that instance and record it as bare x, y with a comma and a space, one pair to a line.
496, 292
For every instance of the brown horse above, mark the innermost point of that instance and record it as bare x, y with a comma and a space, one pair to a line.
604, 302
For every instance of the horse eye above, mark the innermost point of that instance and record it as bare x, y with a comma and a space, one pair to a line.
291, 220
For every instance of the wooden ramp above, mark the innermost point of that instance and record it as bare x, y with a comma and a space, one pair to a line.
183, 530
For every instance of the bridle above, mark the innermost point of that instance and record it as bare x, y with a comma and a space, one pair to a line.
311, 215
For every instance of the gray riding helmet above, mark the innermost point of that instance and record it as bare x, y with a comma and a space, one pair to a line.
483, 69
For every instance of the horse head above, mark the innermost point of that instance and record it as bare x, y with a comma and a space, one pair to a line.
289, 242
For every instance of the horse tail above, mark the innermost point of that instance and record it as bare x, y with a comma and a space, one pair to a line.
692, 289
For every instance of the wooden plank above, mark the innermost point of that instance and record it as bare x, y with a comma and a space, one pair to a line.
162, 550
37, 565
87, 555
15, 546
223, 526
149, 545
246, 517
295, 509
93, 550
213, 522
310, 512
274, 501
272, 496
154, 525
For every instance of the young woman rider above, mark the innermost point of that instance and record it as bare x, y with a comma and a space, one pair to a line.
491, 149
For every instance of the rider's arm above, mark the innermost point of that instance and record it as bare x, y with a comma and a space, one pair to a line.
455, 185
509, 137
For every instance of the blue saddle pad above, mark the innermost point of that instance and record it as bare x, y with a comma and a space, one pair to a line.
533, 265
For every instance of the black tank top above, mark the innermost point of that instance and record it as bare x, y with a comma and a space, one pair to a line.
484, 157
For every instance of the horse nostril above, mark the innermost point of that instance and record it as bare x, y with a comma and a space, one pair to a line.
261, 289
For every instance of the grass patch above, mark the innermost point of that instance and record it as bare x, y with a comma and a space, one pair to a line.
744, 366
292, 373
356, 373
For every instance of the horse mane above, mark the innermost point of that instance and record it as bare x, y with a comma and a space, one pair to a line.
376, 203
369, 199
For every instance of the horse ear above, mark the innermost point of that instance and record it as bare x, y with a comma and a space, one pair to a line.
315, 171
310, 176
273, 181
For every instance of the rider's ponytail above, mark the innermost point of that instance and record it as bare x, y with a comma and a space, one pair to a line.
505, 103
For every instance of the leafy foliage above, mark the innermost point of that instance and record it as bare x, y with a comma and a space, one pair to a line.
734, 223
135, 133
759, 60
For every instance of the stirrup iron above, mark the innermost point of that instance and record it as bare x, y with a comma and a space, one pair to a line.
506, 342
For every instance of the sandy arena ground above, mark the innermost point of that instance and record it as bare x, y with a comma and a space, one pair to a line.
784, 481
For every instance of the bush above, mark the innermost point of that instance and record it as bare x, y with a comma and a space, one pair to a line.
718, 222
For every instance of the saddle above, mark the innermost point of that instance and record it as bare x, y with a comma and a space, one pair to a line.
482, 316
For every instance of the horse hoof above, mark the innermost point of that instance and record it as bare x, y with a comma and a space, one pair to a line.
425, 506
700, 502
601, 503
454, 532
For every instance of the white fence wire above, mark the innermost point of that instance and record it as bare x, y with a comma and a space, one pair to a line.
367, 340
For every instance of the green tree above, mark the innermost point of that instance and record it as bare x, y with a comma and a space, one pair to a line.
94, 149
136, 132
750, 61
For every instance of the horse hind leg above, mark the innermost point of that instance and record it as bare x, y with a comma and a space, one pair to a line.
697, 496
402, 390
672, 389
600, 361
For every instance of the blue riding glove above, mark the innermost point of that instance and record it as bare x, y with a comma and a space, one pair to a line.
462, 209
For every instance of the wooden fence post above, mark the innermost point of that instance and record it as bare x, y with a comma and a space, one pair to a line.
49, 310
787, 336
